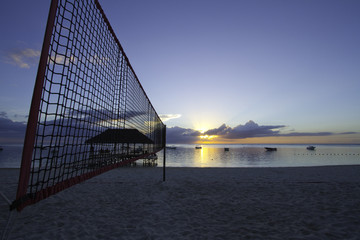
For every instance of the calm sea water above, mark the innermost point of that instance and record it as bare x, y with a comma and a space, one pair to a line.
10, 156
238, 156
257, 156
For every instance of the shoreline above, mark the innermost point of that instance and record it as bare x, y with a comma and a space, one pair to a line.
196, 203
248, 167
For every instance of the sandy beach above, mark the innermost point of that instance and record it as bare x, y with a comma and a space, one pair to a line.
195, 203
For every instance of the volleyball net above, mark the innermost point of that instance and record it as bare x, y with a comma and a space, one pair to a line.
89, 113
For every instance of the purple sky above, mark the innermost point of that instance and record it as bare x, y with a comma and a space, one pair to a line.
290, 65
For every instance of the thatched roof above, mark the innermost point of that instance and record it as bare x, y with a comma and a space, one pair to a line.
120, 136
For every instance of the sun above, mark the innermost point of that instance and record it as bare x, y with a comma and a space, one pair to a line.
203, 128
207, 137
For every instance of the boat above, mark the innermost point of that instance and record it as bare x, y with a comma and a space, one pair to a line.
170, 147
310, 148
270, 149
226, 149
198, 147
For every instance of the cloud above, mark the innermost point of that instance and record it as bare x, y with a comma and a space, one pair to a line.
222, 130
11, 131
308, 134
104, 114
61, 59
70, 124
315, 134
167, 117
79, 124
348, 133
249, 130
181, 135
23, 58
3, 115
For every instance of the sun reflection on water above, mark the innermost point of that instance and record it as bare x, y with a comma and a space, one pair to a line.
204, 157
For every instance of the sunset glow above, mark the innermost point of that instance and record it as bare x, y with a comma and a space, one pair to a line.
207, 137
254, 72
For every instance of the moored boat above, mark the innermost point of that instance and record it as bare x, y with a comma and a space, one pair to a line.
270, 149
198, 147
310, 148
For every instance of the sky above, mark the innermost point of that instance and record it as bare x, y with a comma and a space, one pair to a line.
260, 71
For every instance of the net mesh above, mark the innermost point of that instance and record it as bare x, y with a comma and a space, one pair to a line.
88, 87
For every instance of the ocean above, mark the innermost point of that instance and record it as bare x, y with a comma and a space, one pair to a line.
251, 155
255, 155
10, 156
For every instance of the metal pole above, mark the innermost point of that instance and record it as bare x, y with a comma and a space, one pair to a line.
164, 158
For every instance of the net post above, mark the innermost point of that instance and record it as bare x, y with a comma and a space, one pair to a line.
35, 106
164, 158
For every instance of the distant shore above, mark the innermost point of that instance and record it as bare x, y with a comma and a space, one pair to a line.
196, 203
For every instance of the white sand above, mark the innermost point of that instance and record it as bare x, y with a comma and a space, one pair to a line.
194, 203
